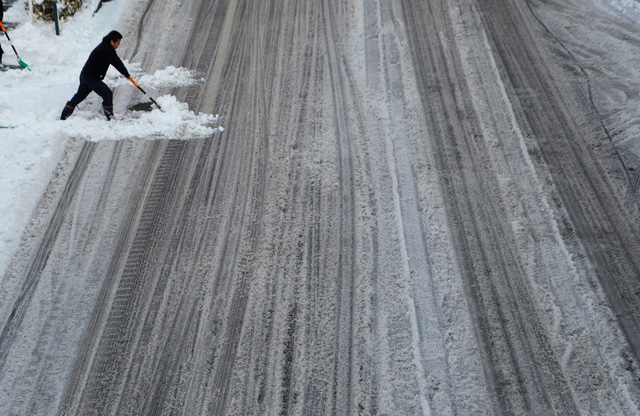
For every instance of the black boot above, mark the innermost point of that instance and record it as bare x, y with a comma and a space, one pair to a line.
67, 111
108, 112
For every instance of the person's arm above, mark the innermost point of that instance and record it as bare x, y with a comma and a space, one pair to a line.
117, 64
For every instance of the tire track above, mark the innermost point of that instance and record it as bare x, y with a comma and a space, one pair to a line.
603, 223
577, 331
76, 382
111, 355
346, 273
131, 298
38, 263
520, 364
281, 386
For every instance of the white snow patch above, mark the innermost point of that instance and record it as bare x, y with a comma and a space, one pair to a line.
174, 121
162, 78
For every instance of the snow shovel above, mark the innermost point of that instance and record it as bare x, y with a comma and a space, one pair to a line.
143, 106
20, 61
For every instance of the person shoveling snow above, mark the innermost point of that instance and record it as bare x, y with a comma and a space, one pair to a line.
93, 73
4, 30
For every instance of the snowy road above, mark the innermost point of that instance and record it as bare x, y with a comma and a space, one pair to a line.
416, 207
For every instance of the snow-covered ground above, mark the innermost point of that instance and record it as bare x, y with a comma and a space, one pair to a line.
352, 294
32, 137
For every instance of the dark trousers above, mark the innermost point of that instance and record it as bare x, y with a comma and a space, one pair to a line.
88, 84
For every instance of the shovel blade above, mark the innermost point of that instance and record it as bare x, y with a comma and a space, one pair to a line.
141, 107
23, 64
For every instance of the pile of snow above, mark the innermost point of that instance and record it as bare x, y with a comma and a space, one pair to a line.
33, 139
173, 121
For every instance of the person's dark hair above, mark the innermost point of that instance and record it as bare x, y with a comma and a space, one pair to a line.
113, 36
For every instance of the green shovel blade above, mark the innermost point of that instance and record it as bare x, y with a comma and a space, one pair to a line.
23, 64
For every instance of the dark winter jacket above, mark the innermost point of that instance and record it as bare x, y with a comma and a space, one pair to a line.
100, 59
